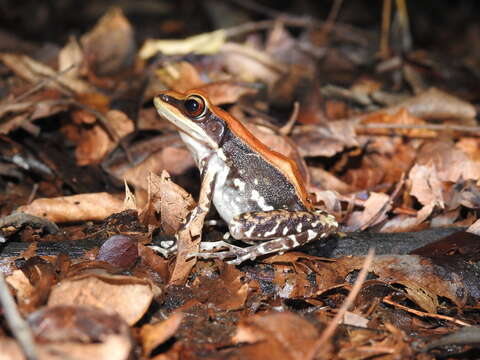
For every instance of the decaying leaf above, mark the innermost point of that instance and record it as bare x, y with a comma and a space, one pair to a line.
75, 208
276, 336
110, 45
153, 335
128, 296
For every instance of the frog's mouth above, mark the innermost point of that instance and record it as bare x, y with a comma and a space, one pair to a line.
168, 108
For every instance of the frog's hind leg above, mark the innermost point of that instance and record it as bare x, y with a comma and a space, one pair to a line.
277, 246
241, 254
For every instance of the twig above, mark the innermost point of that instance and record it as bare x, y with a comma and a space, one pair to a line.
405, 25
435, 127
333, 325
18, 326
384, 37
285, 129
425, 314
332, 17
43, 82
33, 193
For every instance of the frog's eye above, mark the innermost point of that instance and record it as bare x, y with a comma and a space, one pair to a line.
195, 106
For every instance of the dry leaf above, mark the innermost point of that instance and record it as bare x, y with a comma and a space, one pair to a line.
206, 43
95, 142
34, 71
153, 335
81, 207
180, 77
451, 163
129, 296
425, 185
175, 202
110, 45
375, 209
275, 336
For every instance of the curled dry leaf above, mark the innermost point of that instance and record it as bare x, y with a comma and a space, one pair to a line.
171, 159
95, 206
110, 45
227, 92
375, 209
38, 107
451, 163
325, 140
206, 43
34, 71
71, 59
227, 292
180, 77
153, 335
425, 185
96, 142
171, 200
432, 104
416, 271
249, 64
129, 296
78, 332
282, 336
401, 117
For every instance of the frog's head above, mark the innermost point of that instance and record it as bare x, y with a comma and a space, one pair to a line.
193, 115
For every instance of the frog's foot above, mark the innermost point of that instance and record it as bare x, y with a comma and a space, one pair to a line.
166, 248
209, 250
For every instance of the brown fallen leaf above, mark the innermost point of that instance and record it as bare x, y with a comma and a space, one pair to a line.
314, 140
227, 92
425, 185
249, 64
432, 104
129, 296
206, 43
170, 200
71, 59
451, 163
418, 272
34, 71
279, 336
78, 332
153, 335
171, 159
96, 206
95, 142
21, 114
180, 77
375, 209
110, 45
188, 238
402, 117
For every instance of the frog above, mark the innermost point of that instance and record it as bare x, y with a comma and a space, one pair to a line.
258, 192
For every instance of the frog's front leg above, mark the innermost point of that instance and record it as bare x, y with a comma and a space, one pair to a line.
197, 214
271, 232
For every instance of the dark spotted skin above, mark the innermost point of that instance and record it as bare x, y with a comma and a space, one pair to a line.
247, 165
